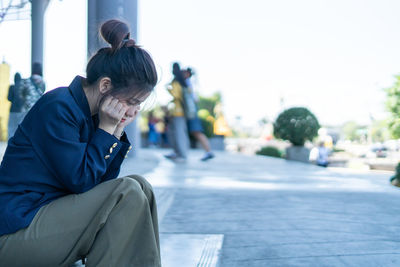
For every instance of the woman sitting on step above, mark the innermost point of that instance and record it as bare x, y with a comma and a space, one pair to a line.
59, 199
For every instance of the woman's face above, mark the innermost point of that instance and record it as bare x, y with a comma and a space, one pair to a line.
130, 98
132, 106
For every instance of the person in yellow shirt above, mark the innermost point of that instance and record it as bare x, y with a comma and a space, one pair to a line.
178, 134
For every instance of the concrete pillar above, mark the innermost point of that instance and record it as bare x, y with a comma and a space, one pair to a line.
38, 11
100, 11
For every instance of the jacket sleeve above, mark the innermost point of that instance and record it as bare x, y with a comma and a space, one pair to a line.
79, 165
114, 168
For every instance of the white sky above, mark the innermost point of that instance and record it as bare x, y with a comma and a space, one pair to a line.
333, 57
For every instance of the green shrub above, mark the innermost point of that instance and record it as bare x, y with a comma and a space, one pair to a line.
207, 121
297, 125
209, 103
334, 149
396, 176
270, 151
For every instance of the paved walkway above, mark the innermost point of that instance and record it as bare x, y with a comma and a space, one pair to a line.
238, 210
270, 212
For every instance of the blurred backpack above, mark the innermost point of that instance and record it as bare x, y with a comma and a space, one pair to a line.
189, 105
31, 90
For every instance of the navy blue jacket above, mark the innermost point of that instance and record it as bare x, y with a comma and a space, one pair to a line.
57, 150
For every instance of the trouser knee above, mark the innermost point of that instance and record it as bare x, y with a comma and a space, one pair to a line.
130, 194
145, 185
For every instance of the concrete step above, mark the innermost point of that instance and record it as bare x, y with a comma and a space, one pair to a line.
190, 250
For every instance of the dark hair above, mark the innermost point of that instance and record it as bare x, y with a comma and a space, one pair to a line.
129, 67
178, 75
190, 71
17, 77
37, 69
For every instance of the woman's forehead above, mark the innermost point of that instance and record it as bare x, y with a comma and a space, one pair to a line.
142, 97
137, 96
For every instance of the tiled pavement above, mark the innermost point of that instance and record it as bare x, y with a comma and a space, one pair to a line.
238, 210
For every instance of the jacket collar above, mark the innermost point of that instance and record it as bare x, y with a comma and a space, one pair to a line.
78, 94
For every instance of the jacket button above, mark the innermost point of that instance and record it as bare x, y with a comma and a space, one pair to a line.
107, 156
111, 150
130, 147
114, 145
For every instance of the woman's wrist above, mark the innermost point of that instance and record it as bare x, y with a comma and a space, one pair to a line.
108, 129
118, 133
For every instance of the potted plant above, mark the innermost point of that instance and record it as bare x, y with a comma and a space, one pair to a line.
297, 125
395, 180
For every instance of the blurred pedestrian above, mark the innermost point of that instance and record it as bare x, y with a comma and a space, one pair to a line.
153, 137
322, 156
178, 134
32, 88
194, 124
16, 114
59, 199
164, 127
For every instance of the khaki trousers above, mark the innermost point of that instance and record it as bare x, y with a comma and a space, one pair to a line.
113, 224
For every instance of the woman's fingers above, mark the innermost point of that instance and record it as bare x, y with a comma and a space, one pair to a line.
114, 103
111, 112
119, 107
122, 111
106, 102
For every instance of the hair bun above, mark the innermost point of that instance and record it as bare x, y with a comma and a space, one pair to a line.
129, 43
116, 33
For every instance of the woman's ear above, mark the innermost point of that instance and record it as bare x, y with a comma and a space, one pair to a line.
105, 85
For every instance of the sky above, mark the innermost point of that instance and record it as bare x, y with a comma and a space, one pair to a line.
333, 57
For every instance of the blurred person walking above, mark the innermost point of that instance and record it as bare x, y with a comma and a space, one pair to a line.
178, 134
153, 137
15, 97
193, 122
60, 200
164, 128
322, 156
32, 88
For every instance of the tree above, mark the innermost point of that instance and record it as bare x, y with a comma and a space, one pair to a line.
209, 103
349, 130
207, 121
393, 106
206, 112
379, 131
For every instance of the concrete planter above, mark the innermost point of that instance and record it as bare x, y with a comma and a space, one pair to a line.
298, 153
395, 182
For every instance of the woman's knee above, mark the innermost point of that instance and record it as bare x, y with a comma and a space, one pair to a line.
144, 184
132, 190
